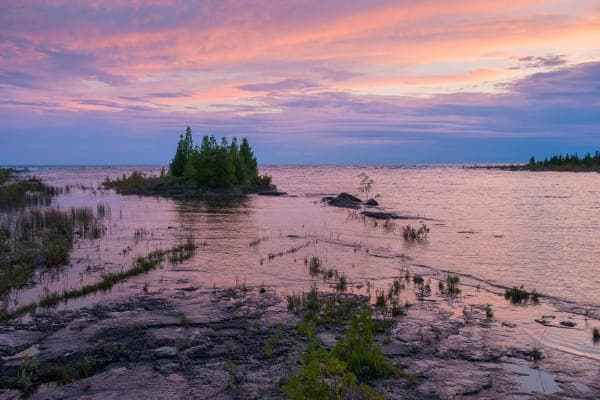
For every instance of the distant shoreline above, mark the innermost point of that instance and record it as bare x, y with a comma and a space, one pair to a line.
527, 167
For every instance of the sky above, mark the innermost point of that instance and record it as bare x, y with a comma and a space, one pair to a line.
308, 82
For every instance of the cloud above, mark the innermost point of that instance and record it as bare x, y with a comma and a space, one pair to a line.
543, 62
169, 95
289, 72
283, 85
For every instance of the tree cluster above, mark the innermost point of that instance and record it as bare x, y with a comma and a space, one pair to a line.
588, 161
214, 164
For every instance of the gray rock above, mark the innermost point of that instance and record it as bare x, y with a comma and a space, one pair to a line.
165, 352
344, 200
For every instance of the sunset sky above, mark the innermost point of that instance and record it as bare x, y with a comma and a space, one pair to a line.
307, 82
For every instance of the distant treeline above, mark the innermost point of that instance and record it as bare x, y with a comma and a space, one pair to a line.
216, 165
568, 162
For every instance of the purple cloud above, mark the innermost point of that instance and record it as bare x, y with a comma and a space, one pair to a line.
283, 85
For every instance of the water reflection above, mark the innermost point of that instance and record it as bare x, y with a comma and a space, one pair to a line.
508, 228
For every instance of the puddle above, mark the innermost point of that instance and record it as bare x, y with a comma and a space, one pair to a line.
533, 380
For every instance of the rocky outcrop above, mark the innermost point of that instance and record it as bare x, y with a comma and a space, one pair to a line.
344, 200
272, 193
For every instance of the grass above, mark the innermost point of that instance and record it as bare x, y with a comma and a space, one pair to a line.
291, 250
6, 174
27, 372
297, 302
185, 322
324, 376
67, 373
358, 350
395, 288
140, 266
34, 238
256, 242
452, 285
314, 266
182, 252
271, 344
26, 193
536, 354
342, 283
380, 299
519, 295
489, 312
339, 373
411, 233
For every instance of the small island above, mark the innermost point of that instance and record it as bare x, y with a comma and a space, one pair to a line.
210, 170
567, 163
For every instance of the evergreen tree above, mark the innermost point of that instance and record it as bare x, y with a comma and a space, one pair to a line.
248, 161
214, 164
240, 171
184, 150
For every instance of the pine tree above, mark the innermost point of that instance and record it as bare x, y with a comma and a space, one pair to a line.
184, 150
248, 161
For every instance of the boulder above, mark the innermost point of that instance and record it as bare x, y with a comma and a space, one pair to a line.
348, 196
345, 200
371, 202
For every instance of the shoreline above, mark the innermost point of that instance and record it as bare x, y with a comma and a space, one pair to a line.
172, 337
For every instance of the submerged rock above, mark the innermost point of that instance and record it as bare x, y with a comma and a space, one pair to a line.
344, 200
272, 193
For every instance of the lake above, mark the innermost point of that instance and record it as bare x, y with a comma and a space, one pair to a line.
505, 228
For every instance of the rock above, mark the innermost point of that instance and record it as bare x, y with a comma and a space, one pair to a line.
10, 394
345, 200
165, 352
347, 196
568, 324
371, 202
272, 193
378, 214
176, 378
189, 288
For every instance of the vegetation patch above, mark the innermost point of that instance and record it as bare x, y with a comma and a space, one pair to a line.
519, 295
196, 169
6, 174
341, 373
34, 238
324, 376
26, 193
411, 233
141, 265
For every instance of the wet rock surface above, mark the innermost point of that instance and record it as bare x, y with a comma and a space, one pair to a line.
211, 344
344, 200
385, 215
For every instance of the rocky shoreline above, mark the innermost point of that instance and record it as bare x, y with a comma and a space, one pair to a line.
195, 343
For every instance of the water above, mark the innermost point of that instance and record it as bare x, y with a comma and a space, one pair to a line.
539, 230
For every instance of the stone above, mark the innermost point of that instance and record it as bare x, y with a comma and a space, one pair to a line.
165, 352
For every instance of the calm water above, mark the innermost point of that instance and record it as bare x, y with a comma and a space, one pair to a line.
539, 230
